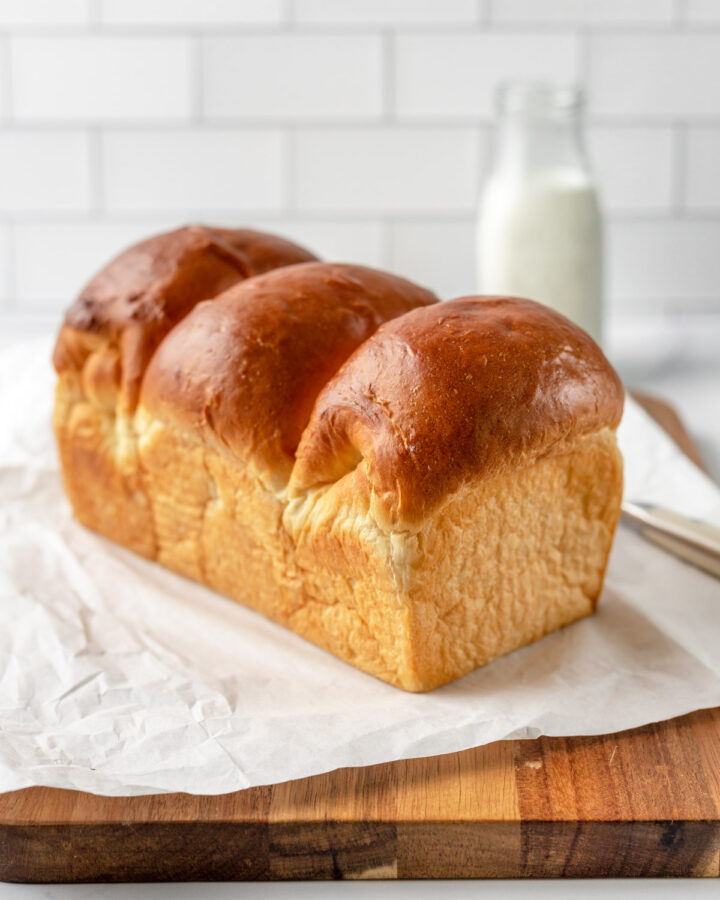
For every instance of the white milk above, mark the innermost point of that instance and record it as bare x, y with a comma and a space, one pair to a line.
539, 225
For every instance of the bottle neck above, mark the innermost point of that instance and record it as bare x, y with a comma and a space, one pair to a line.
525, 143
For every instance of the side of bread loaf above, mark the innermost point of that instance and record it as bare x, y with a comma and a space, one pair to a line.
477, 439
417, 487
103, 349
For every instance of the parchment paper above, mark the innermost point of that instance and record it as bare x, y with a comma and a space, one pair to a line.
118, 677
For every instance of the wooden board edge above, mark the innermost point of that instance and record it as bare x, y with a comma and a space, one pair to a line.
358, 850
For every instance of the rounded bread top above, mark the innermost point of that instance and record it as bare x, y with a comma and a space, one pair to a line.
243, 370
134, 301
452, 393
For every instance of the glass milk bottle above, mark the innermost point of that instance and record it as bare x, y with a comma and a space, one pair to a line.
539, 228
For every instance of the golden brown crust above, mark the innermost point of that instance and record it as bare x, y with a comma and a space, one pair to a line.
132, 303
244, 369
453, 393
454, 479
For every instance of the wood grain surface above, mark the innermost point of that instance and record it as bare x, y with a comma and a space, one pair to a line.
644, 802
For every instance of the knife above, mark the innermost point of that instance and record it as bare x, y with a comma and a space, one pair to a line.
692, 540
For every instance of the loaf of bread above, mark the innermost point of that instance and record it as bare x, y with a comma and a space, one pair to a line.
418, 487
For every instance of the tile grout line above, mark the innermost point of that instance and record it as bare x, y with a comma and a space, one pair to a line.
94, 16
387, 243
485, 27
11, 303
681, 19
6, 80
96, 170
333, 124
289, 171
584, 38
196, 78
346, 215
387, 75
680, 150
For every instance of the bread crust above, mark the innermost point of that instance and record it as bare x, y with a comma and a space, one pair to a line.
244, 369
454, 393
416, 487
134, 301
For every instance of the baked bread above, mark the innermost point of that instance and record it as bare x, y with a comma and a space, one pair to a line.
417, 487
105, 344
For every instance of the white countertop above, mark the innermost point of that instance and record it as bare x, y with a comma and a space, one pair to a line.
680, 364
628, 889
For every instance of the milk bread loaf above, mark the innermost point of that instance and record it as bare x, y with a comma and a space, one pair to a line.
418, 487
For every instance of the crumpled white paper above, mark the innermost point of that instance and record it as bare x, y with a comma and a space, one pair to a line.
118, 677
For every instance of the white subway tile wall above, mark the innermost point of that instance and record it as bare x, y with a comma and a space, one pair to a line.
44, 12
44, 171
359, 127
196, 13
292, 76
590, 12
451, 76
635, 167
339, 240
703, 169
387, 170
4, 253
673, 75
188, 170
677, 258
703, 10
387, 12
100, 78
437, 253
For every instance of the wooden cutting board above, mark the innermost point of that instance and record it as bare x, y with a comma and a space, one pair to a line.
644, 802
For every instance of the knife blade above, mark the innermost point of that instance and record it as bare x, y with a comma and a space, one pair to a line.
694, 541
